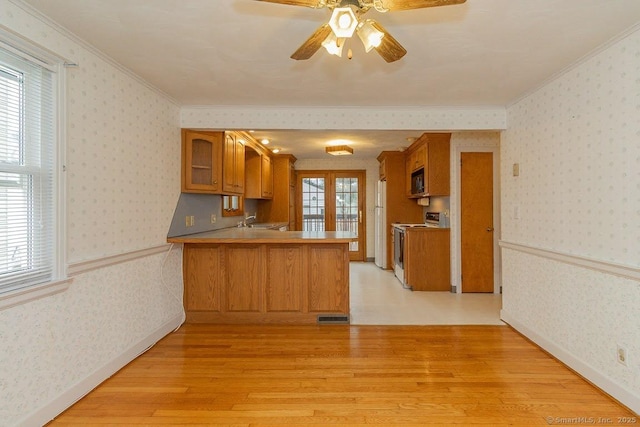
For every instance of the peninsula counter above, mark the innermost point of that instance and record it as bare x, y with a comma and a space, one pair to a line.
247, 275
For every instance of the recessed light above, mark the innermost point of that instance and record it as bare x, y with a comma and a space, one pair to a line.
265, 141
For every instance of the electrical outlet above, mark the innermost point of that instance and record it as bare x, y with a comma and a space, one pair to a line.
621, 352
190, 220
213, 218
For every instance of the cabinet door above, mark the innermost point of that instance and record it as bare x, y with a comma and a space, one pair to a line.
267, 177
285, 278
239, 167
427, 264
233, 164
327, 273
417, 158
228, 163
202, 279
201, 162
244, 278
420, 157
382, 169
438, 175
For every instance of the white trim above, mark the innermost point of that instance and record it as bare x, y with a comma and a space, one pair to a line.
60, 186
625, 271
31, 293
30, 51
56, 406
455, 172
597, 378
94, 264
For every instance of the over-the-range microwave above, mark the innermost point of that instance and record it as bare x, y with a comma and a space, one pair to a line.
417, 183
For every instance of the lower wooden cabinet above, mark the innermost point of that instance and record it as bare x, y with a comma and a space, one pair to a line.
241, 278
200, 267
267, 283
283, 291
427, 263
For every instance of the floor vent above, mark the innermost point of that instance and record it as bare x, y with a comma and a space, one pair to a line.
341, 319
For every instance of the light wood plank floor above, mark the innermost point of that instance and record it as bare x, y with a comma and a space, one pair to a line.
343, 375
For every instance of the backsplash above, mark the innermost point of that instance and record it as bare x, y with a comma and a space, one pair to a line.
201, 207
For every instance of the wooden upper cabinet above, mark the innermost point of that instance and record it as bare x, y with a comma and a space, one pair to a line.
258, 175
267, 177
281, 206
431, 152
418, 158
382, 169
233, 164
201, 162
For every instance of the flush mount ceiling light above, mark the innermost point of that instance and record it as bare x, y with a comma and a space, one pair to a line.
346, 20
339, 150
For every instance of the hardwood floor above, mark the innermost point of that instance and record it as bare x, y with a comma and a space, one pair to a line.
343, 375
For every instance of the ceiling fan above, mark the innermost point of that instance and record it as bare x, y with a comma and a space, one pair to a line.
347, 19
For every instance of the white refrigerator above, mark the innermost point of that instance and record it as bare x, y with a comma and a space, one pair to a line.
381, 225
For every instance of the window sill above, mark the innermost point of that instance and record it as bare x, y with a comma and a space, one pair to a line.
22, 296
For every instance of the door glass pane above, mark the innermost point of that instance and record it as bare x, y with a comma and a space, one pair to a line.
347, 207
202, 162
313, 207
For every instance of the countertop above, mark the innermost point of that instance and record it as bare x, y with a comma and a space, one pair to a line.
259, 235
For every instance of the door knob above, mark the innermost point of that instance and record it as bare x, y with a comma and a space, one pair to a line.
489, 228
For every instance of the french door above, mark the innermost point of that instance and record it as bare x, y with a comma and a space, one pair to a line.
333, 201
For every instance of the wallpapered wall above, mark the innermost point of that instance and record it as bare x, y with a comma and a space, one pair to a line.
577, 141
123, 181
123, 162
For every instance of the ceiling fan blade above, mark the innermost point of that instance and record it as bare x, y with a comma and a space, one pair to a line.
316, 4
392, 5
389, 48
312, 44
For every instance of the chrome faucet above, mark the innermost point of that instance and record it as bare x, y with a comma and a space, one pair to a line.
244, 223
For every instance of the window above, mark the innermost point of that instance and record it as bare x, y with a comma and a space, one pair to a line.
28, 173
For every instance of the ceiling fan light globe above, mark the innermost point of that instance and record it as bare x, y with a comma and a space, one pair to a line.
370, 36
343, 22
333, 45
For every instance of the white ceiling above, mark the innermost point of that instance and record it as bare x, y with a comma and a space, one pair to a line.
236, 52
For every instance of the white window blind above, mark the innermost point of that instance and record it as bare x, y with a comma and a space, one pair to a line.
27, 173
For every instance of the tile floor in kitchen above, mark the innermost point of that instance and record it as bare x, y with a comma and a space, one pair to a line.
377, 298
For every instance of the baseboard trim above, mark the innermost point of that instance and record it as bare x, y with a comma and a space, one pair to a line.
55, 407
597, 378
